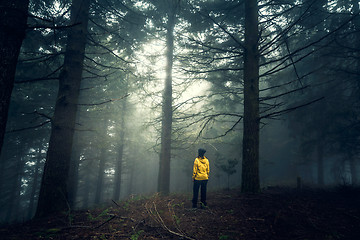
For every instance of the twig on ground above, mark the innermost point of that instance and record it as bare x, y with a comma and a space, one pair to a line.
172, 212
156, 216
116, 203
114, 216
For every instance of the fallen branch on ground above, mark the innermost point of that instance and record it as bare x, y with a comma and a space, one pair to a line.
156, 216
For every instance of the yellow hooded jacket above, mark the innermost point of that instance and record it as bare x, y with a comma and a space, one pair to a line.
201, 169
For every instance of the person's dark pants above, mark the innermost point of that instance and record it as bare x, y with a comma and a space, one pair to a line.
197, 185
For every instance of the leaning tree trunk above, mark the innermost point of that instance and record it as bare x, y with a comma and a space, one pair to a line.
53, 192
13, 18
165, 152
250, 166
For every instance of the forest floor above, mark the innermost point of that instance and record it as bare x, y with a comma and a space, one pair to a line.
276, 213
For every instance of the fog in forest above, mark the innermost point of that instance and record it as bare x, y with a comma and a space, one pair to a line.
158, 79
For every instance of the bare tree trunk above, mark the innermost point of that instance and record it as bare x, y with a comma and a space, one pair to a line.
2, 172
118, 167
355, 7
74, 174
54, 192
320, 161
131, 188
35, 184
250, 166
165, 152
118, 170
356, 10
354, 173
14, 208
87, 189
100, 178
13, 18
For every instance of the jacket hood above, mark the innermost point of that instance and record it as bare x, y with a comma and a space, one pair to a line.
202, 160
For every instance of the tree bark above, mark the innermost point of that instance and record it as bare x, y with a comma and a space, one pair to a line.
53, 192
250, 166
13, 18
165, 152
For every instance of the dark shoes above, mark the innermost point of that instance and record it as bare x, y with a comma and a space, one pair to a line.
202, 206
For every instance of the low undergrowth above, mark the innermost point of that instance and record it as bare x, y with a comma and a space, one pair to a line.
277, 213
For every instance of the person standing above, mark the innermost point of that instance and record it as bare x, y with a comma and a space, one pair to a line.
200, 178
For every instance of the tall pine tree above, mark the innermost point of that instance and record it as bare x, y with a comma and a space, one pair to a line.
53, 192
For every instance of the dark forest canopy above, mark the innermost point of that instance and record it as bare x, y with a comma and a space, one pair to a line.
113, 98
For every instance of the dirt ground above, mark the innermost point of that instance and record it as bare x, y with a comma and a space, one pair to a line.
276, 213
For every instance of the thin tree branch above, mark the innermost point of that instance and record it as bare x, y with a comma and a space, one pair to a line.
28, 128
101, 103
287, 110
283, 94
